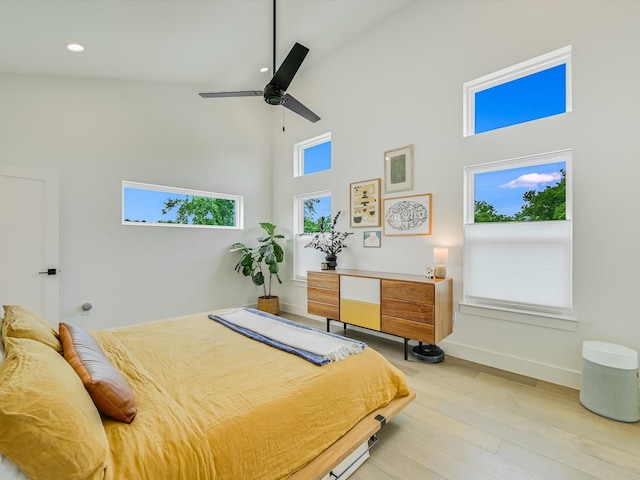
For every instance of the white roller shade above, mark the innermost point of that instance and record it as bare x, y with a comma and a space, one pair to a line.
519, 265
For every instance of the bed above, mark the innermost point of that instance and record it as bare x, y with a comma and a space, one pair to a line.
209, 404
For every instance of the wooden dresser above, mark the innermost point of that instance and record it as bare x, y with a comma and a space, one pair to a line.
409, 306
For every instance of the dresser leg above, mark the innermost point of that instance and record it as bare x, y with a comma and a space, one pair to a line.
406, 347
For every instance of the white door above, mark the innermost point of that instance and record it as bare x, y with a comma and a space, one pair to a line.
29, 240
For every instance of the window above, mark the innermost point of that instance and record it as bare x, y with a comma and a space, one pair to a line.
517, 234
537, 88
312, 155
307, 210
144, 204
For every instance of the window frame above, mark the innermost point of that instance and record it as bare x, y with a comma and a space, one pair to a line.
509, 74
522, 313
238, 199
299, 150
298, 229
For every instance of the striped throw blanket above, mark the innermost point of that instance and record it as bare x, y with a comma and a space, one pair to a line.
313, 345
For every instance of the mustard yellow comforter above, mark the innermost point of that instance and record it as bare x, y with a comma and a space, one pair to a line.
213, 404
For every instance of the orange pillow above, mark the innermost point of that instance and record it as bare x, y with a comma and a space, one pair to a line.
106, 385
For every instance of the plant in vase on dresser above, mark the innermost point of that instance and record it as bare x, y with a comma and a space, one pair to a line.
328, 240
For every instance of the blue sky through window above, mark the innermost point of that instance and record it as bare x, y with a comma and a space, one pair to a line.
535, 96
146, 205
317, 158
323, 208
504, 188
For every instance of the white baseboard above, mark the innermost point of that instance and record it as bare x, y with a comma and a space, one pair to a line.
510, 363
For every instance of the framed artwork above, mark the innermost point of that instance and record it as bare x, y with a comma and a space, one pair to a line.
365, 203
409, 215
372, 239
398, 169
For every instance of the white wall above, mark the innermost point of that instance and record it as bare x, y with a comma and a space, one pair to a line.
98, 133
402, 84
399, 84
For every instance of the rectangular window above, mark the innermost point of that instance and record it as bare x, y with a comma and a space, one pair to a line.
518, 234
531, 90
145, 204
312, 155
308, 208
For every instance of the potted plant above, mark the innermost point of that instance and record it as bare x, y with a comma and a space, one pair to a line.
328, 240
261, 259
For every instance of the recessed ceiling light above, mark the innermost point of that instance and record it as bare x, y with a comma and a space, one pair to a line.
264, 69
75, 47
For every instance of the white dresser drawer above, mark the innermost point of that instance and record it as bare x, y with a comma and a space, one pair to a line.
365, 290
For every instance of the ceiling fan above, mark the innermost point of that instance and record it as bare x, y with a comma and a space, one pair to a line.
274, 92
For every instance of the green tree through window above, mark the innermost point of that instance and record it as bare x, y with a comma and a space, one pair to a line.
313, 209
485, 213
547, 204
311, 219
200, 211
146, 204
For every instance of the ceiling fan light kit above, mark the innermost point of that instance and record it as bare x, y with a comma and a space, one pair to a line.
274, 92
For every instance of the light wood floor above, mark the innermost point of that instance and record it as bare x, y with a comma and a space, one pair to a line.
471, 422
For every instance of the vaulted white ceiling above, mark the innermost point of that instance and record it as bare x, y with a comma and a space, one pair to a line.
217, 43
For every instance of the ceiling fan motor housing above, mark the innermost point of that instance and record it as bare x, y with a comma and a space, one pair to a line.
273, 94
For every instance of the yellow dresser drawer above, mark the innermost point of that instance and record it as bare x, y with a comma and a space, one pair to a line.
360, 313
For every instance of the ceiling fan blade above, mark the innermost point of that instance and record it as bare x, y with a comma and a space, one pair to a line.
244, 93
295, 106
289, 68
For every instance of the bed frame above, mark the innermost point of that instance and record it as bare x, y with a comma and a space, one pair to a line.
320, 466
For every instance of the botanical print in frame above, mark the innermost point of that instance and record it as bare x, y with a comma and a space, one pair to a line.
365, 203
371, 239
398, 169
409, 215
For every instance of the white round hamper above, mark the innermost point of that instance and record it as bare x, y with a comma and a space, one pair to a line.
609, 383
